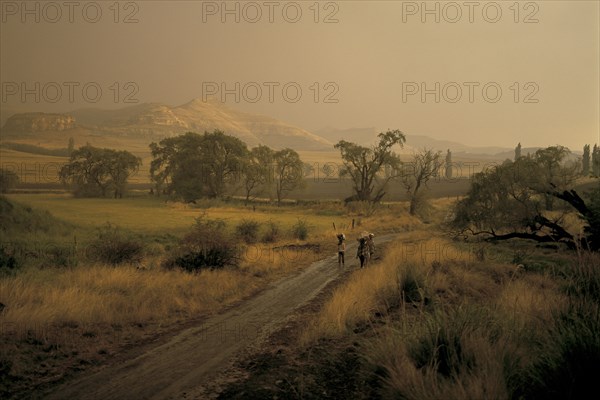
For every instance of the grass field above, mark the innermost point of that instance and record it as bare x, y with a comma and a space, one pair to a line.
152, 215
66, 308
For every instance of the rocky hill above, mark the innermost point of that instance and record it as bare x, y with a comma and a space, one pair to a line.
39, 122
153, 121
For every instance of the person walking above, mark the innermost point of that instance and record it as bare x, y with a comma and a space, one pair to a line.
341, 249
362, 251
371, 245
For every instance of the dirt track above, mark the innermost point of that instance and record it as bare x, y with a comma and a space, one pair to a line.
189, 359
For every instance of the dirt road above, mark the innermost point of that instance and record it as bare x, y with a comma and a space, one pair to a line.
188, 359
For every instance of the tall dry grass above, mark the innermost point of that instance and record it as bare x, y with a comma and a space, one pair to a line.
406, 270
459, 353
127, 294
102, 293
445, 323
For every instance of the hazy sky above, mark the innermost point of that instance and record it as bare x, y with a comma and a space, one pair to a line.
374, 58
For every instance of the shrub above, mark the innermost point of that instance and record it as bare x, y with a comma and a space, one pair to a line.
247, 230
207, 246
583, 278
8, 263
411, 283
567, 365
272, 233
441, 345
8, 180
362, 208
300, 229
60, 256
113, 246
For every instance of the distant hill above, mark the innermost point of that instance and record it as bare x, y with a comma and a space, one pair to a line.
153, 121
362, 136
38, 122
368, 136
134, 127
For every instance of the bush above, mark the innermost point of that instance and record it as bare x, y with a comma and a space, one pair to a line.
445, 342
362, 208
247, 230
300, 229
8, 180
583, 278
567, 364
272, 233
8, 263
207, 246
411, 283
60, 256
113, 246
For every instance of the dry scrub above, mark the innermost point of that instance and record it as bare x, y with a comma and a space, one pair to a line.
443, 323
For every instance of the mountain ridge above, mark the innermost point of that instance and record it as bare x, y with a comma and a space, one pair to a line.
155, 121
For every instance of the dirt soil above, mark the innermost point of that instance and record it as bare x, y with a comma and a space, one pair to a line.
199, 361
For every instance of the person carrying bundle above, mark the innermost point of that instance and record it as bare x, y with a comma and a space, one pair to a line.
371, 245
362, 253
341, 249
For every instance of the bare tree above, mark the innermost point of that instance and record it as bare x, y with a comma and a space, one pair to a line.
424, 166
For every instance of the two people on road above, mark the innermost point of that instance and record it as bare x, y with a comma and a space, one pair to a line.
365, 251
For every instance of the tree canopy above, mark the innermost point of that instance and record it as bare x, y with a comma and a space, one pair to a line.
288, 172
363, 165
511, 201
258, 173
95, 172
192, 166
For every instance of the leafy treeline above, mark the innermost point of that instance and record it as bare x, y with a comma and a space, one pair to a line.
96, 172
193, 166
530, 198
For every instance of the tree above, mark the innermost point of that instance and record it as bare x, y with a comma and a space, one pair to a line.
363, 165
193, 166
288, 168
550, 163
94, 171
121, 164
518, 151
71, 146
222, 160
448, 164
169, 157
8, 180
509, 201
596, 161
585, 161
424, 166
257, 172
